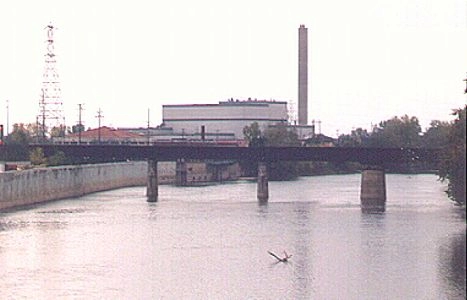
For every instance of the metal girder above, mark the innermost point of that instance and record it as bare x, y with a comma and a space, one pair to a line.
84, 153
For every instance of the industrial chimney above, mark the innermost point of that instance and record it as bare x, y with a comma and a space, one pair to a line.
302, 75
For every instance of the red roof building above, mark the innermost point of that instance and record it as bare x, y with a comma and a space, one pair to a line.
103, 135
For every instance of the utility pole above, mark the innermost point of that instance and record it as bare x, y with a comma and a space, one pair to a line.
37, 129
80, 108
148, 127
99, 117
7, 117
465, 92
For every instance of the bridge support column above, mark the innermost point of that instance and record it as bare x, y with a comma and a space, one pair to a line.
152, 187
263, 190
373, 189
181, 173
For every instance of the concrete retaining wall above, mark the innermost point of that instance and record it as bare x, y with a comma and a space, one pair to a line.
18, 188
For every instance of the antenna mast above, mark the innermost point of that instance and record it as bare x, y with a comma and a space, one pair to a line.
50, 103
99, 117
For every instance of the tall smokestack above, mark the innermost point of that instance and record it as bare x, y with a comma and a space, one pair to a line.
302, 75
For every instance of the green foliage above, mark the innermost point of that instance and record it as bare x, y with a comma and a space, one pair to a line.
59, 131
273, 136
252, 134
77, 128
357, 138
37, 157
20, 135
57, 159
452, 167
33, 130
397, 132
437, 135
281, 136
18, 141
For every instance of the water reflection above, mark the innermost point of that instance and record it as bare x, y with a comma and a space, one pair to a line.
453, 266
302, 262
373, 209
12, 224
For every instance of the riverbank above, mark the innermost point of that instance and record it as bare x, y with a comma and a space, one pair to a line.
38, 185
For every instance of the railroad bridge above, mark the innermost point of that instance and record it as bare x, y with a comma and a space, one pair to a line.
373, 186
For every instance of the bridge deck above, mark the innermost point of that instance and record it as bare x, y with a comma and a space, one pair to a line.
267, 154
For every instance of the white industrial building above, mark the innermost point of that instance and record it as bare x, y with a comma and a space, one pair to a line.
227, 117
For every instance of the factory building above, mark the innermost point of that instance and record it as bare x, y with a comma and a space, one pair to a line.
227, 117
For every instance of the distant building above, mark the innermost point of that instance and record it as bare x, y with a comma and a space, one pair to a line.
104, 135
227, 117
320, 140
163, 134
303, 132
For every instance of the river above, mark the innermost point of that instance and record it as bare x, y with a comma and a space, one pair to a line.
211, 243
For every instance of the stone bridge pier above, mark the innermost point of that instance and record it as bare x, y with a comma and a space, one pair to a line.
152, 187
262, 181
373, 189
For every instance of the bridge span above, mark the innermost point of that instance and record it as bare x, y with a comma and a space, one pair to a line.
376, 156
373, 185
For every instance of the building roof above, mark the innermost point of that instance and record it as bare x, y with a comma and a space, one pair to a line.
106, 133
230, 102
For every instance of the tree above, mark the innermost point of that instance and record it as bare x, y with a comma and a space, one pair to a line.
58, 131
57, 159
437, 135
18, 141
252, 135
280, 135
357, 138
77, 128
33, 129
397, 132
37, 157
452, 167
20, 135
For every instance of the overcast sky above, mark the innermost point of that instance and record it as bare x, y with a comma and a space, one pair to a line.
369, 60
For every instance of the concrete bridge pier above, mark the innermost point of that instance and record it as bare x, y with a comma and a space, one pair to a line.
181, 173
263, 190
152, 187
373, 189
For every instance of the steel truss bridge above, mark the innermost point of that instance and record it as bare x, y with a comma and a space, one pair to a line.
108, 153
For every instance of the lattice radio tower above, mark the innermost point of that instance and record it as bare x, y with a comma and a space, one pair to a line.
50, 103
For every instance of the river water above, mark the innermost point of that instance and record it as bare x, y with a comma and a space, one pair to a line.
212, 242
